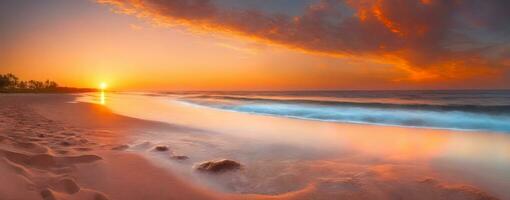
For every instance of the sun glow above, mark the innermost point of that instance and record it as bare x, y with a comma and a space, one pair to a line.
103, 85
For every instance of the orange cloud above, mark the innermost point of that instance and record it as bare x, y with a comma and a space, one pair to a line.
428, 39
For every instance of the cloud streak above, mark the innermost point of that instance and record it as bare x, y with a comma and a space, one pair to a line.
429, 39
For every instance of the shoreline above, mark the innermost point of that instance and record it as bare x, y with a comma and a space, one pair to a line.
353, 122
98, 124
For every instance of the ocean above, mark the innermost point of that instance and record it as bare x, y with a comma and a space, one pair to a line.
469, 110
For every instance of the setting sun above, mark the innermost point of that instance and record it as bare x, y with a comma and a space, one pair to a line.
103, 85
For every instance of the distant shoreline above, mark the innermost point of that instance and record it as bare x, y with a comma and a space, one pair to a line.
50, 90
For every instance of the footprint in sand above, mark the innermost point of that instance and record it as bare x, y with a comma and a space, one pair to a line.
82, 149
47, 161
31, 147
120, 147
99, 196
47, 194
66, 143
69, 134
66, 185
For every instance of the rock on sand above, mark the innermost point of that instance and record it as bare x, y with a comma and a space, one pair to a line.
217, 166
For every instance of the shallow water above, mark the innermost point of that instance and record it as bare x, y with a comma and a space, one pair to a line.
281, 154
457, 109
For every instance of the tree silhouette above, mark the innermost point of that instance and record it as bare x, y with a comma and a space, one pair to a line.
10, 81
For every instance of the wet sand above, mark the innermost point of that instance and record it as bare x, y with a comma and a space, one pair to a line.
54, 148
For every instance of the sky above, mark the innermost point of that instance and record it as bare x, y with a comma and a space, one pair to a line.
137, 45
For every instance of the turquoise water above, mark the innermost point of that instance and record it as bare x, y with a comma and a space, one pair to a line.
487, 110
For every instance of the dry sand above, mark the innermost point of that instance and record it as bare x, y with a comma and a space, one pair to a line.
41, 158
53, 149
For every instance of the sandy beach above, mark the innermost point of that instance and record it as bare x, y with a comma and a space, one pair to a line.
67, 154
53, 147
254, 100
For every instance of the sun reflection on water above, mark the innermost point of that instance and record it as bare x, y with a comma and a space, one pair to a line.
102, 98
